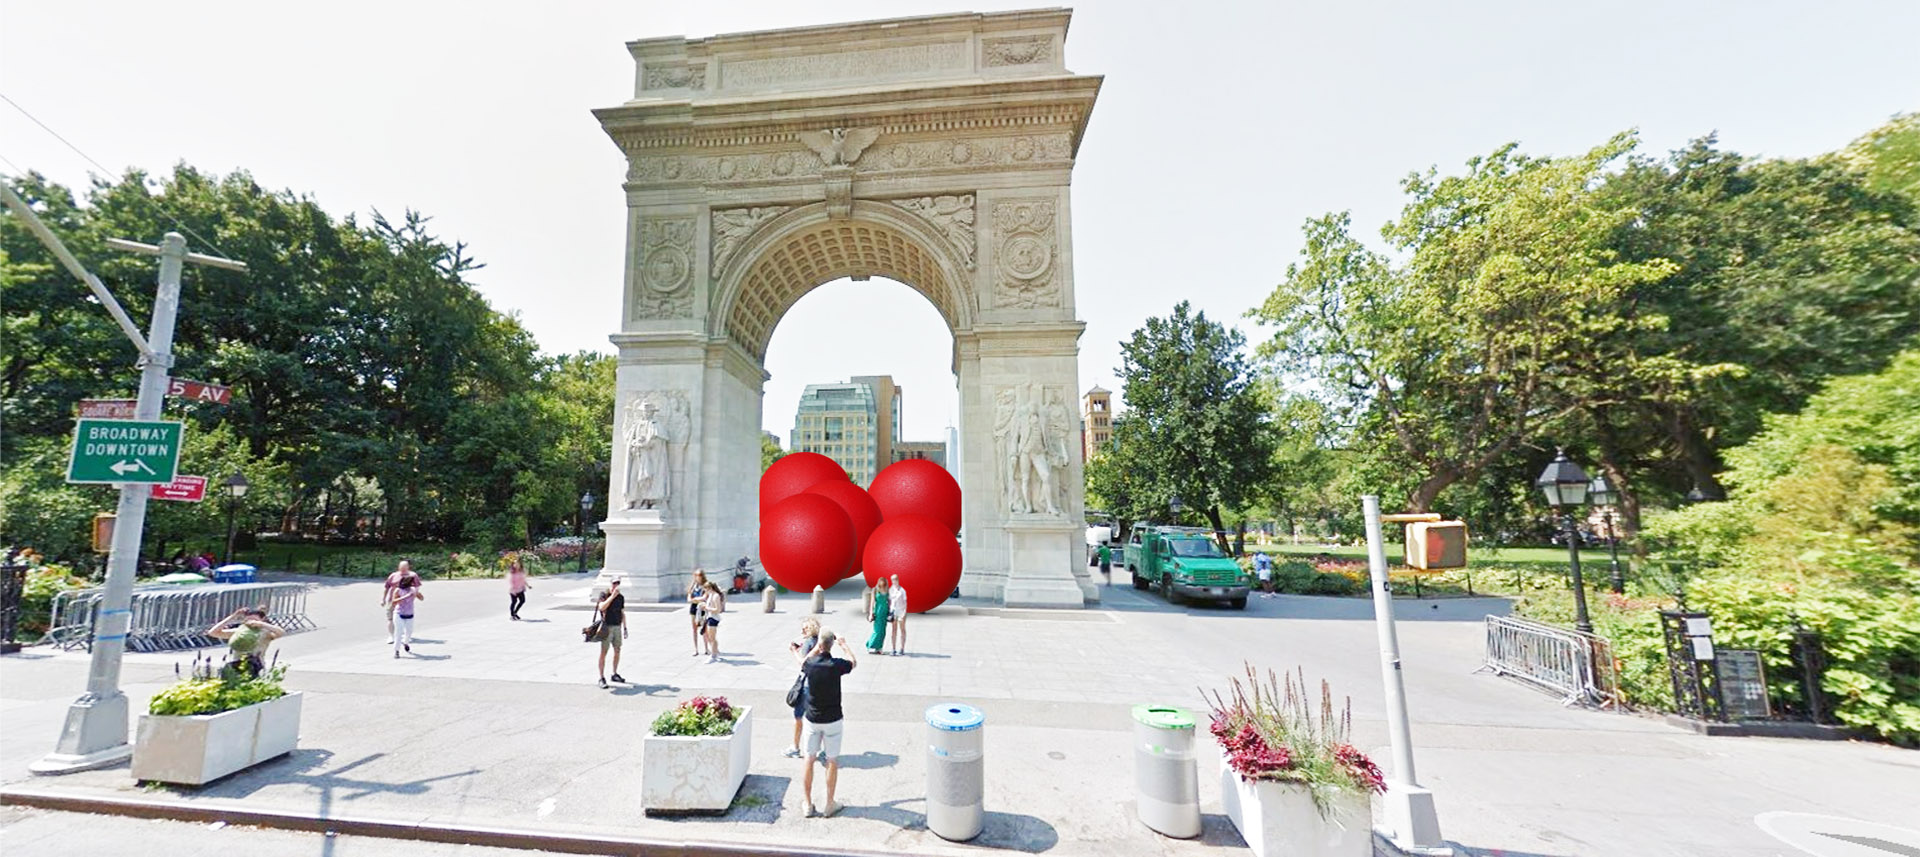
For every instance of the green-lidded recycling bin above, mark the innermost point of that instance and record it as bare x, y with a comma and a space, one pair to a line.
956, 781
1166, 780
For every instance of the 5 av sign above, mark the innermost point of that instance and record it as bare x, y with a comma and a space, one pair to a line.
136, 451
199, 391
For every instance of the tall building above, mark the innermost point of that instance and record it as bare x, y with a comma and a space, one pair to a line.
1096, 422
931, 450
852, 423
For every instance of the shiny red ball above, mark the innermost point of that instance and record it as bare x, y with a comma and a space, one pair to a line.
923, 552
806, 541
860, 509
796, 472
917, 486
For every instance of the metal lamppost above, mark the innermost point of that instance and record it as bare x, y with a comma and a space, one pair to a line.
1604, 495
1174, 506
1565, 485
580, 527
236, 489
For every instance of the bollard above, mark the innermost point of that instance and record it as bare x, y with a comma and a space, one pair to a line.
1165, 780
766, 600
819, 604
956, 768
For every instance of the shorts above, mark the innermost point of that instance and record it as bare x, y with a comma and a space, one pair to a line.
693, 609
817, 738
713, 621
610, 636
800, 711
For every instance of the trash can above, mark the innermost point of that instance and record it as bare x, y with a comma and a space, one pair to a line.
1166, 781
233, 573
955, 771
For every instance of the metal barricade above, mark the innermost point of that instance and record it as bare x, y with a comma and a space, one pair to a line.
167, 617
1576, 666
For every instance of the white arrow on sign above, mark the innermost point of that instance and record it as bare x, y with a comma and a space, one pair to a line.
125, 467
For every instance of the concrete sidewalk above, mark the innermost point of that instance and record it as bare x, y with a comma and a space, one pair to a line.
497, 726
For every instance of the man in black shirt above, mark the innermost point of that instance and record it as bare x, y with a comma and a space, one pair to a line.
613, 627
825, 721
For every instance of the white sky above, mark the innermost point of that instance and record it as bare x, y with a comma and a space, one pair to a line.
1221, 127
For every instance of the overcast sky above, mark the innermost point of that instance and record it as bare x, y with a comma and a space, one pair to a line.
1221, 127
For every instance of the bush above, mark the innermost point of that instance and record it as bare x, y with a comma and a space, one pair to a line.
1632, 628
1299, 577
204, 692
1270, 731
699, 716
36, 598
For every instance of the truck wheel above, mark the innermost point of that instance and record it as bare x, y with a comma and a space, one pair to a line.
1138, 581
1239, 603
1166, 589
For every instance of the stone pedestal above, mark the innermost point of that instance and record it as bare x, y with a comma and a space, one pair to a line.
639, 552
1040, 553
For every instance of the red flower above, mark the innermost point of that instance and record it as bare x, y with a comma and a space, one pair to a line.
1361, 768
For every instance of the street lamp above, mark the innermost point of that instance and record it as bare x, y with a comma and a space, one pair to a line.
1604, 495
1174, 506
580, 527
236, 489
1565, 485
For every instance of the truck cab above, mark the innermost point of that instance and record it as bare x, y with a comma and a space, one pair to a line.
1184, 563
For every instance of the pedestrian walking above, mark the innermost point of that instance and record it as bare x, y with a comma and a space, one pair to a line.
878, 615
402, 596
710, 609
247, 641
1263, 567
402, 572
897, 615
613, 630
801, 649
1106, 562
825, 726
696, 595
516, 588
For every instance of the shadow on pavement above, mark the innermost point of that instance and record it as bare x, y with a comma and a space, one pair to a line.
295, 767
643, 689
869, 760
1005, 830
761, 800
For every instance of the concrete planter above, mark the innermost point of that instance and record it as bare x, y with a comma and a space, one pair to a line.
1279, 819
695, 774
200, 748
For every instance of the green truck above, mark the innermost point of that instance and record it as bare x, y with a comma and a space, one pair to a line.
1184, 563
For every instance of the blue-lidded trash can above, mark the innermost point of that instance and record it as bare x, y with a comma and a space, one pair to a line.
956, 768
1166, 781
234, 573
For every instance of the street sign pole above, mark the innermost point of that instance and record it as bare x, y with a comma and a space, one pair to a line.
1412, 825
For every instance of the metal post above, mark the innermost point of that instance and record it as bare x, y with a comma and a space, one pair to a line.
95, 734
1412, 824
1580, 620
231, 503
580, 529
1613, 555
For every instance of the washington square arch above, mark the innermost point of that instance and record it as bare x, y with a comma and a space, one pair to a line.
936, 152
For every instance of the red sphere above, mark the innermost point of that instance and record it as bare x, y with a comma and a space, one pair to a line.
806, 541
796, 472
860, 509
917, 486
923, 552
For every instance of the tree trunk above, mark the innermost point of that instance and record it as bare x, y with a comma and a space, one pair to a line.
1219, 527
1240, 538
1430, 488
1696, 455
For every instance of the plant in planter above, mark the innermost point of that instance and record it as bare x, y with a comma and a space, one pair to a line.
214, 722
1290, 780
695, 756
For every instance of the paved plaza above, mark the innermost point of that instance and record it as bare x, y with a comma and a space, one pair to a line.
496, 725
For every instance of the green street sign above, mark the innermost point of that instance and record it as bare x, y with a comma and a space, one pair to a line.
125, 451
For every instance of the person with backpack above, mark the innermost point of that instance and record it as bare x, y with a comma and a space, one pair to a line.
613, 630
801, 648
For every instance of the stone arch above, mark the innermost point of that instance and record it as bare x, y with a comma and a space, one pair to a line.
934, 151
802, 249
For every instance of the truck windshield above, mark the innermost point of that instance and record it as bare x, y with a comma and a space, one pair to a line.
1196, 547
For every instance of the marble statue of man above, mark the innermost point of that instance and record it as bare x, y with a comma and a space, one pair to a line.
646, 459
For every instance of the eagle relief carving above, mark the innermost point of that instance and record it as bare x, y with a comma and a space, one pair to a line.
839, 146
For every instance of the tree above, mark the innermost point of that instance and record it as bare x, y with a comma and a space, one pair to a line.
770, 451
1483, 336
1195, 426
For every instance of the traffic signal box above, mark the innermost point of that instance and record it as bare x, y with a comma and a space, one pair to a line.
1437, 545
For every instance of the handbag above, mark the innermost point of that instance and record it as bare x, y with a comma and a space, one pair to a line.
594, 630
798, 691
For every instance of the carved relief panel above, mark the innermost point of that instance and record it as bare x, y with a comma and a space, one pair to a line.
951, 216
655, 426
732, 227
1025, 247
663, 268
1031, 455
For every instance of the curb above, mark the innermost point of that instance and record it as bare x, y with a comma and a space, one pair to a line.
457, 834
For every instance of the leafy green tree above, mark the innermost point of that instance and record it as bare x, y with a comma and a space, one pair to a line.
1889, 156
1195, 427
770, 451
1479, 334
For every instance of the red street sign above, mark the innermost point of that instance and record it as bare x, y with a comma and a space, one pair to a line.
191, 489
199, 391
109, 409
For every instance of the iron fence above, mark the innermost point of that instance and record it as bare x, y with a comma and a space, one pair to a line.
166, 617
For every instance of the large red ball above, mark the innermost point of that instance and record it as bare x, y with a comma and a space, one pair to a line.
923, 552
796, 472
806, 541
860, 509
917, 486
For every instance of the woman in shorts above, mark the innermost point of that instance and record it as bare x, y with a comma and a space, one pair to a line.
696, 593
710, 609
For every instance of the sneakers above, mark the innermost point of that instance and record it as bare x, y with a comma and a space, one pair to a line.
603, 683
618, 680
811, 812
832, 808
396, 656
791, 752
